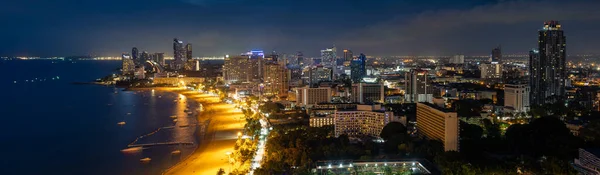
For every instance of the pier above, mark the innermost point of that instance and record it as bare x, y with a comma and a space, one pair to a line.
158, 144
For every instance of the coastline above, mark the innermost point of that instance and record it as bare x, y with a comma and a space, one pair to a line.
217, 139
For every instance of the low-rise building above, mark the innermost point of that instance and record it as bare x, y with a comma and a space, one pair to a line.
588, 162
307, 96
365, 120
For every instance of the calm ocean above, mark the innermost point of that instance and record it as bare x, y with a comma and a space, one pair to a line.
50, 126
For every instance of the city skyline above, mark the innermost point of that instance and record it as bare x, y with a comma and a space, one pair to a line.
424, 28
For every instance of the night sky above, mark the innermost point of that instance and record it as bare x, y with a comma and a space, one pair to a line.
218, 27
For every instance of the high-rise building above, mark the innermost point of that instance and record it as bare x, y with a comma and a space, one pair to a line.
457, 59
312, 96
135, 55
418, 87
319, 73
192, 65
517, 97
347, 55
188, 51
496, 55
236, 69
159, 58
548, 65
367, 93
358, 68
437, 123
145, 56
300, 59
275, 79
178, 55
328, 57
491, 70
256, 64
128, 65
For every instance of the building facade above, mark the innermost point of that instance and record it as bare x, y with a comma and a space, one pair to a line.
178, 55
367, 93
496, 55
365, 120
491, 70
457, 59
236, 69
329, 56
418, 87
358, 68
517, 97
276, 79
548, 65
311, 96
439, 124
320, 73
127, 64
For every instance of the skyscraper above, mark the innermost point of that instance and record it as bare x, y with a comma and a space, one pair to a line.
347, 55
236, 69
319, 73
496, 55
135, 54
160, 58
128, 66
188, 51
300, 59
418, 86
328, 57
256, 64
178, 55
547, 65
145, 56
358, 68
275, 79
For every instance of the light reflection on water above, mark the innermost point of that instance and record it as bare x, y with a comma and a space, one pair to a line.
72, 129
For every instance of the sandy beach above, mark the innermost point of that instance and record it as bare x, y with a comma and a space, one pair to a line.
225, 122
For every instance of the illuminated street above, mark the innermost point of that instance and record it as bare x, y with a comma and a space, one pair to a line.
219, 139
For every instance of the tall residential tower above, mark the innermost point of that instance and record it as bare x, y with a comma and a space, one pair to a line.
548, 65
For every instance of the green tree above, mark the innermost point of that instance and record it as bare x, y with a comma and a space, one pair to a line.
591, 132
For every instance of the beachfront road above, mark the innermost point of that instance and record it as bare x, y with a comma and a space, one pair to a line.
225, 122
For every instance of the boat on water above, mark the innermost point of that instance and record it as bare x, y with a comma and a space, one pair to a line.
176, 152
173, 116
121, 123
145, 160
174, 120
132, 149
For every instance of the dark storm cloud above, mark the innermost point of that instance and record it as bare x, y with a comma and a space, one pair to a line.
216, 27
476, 30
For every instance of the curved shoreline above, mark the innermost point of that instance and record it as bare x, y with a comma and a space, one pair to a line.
218, 138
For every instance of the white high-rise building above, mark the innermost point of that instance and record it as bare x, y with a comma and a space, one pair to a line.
328, 57
517, 97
